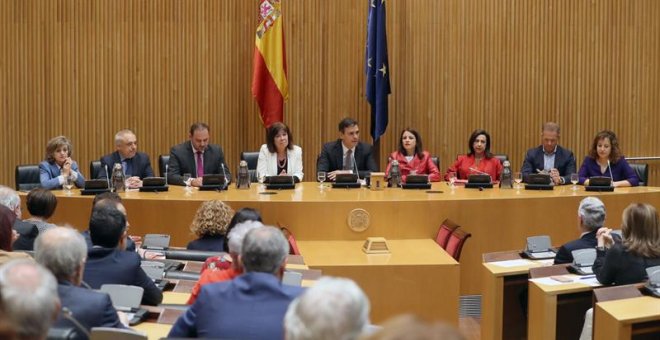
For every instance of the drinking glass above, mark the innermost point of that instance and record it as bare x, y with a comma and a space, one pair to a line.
452, 179
517, 177
574, 179
68, 184
186, 180
320, 176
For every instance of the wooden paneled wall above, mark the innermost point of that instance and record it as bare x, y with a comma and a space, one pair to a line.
87, 68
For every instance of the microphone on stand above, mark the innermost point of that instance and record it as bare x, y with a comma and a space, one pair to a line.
166, 168
611, 178
473, 169
357, 171
107, 175
222, 166
67, 314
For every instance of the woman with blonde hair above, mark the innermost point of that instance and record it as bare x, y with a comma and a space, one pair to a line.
210, 226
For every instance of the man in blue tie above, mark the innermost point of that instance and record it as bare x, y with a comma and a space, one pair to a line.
550, 157
136, 165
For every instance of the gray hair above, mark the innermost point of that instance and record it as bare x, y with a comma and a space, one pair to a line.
334, 308
62, 250
264, 250
237, 235
592, 212
29, 296
551, 127
9, 198
121, 134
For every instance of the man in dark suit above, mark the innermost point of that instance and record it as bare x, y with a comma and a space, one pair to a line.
63, 252
196, 157
27, 232
108, 262
549, 157
136, 165
591, 216
252, 305
347, 153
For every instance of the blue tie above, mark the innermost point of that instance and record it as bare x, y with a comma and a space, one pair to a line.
128, 169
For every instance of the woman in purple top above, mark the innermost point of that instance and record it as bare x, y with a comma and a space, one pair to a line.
605, 159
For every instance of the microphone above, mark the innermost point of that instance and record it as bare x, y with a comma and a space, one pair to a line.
611, 178
107, 175
222, 166
67, 314
357, 171
473, 169
166, 168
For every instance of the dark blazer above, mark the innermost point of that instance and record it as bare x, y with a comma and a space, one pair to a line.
48, 173
182, 160
208, 243
564, 162
251, 306
332, 158
564, 254
140, 165
27, 232
111, 265
620, 267
89, 307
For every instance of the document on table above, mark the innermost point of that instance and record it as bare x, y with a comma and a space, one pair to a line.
512, 263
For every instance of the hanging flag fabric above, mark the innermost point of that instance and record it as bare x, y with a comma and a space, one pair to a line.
269, 84
377, 68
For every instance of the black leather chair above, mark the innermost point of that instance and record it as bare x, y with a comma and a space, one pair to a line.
251, 157
94, 169
162, 162
642, 171
27, 177
436, 160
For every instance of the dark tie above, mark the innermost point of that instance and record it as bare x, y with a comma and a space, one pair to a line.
348, 160
200, 164
128, 170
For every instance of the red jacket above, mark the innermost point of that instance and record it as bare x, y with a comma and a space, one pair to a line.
423, 166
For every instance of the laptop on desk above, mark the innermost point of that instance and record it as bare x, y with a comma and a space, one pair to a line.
417, 182
599, 183
213, 182
280, 182
479, 181
346, 180
653, 285
539, 248
127, 299
539, 182
583, 261
155, 271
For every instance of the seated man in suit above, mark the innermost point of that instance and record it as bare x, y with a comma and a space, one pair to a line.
550, 157
136, 165
591, 216
108, 262
196, 157
251, 306
346, 153
63, 251
27, 232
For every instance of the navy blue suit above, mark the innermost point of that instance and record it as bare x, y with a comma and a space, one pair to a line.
49, 173
114, 266
182, 161
587, 240
251, 306
332, 158
27, 232
140, 165
208, 243
564, 162
89, 307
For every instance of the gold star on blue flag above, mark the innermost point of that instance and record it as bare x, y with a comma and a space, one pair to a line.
377, 68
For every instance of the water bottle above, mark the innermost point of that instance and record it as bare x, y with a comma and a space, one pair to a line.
506, 179
243, 176
118, 178
395, 174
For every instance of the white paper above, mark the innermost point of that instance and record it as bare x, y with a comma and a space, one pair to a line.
548, 281
512, 263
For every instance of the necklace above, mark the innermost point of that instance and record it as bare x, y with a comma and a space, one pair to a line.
281, 163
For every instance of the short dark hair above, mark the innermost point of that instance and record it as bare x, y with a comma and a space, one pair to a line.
615, 152
198, 126
347, 122
474, 136
109, 195
419, 150
272, 131
106, 226
242, 215
41, 203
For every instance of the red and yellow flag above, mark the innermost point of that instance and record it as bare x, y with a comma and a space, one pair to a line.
269, 85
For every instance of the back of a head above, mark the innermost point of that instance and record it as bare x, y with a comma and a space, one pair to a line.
106, 226
237, 235
334, 308
407, 326
212, 218
41, 203
9, 198
29, 297
264, 250
641, 230
592, 212
7, 218
61, 250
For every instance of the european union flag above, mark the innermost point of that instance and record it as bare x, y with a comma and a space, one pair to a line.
377, 68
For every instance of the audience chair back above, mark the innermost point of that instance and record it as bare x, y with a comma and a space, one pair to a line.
63, 333
456, 242
27, 177
642, 172
95, 169
108, 333
446, 229
293, 246
162, 162
251, 157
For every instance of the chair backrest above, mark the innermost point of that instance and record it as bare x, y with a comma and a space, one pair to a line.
293, 245
251, 157
502, 157
559, 269
63, 333
446, 229
436, 161
162, 162
94, 169
27, 177
456, 242
109, 333
642, 172
124, 296
616, 293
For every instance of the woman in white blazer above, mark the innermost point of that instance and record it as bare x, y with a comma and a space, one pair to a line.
279, 156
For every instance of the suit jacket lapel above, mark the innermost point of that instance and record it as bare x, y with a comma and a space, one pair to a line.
339, 155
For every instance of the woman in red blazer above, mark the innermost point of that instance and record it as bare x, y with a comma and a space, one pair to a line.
478, 161
412, 158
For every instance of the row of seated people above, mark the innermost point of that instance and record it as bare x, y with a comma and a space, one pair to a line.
192, 159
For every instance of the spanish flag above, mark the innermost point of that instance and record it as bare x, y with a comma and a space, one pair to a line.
269, 85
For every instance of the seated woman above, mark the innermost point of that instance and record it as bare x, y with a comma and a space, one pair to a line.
8, 236
478, 161
210, 226
59, 166
605, 159
279, 156
412, 157
41, 204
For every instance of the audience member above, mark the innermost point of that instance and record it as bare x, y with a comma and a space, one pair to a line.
58, 166
407, 326
279, 156
27, 232
478, 161
550, 157
334, 308
412, 158
107, 262
196, 157
605, 159
242, 215
63, 251
210, 226
251, 306
41, 204
591, 216
347, 153
113, 199
8, 236
136, 165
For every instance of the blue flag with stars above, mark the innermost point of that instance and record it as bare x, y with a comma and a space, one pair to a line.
377, 67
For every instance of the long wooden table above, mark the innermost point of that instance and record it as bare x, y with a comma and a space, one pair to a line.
499, 219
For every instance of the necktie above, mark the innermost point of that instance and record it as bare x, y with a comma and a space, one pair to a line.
128, 169
200, 164
348, 160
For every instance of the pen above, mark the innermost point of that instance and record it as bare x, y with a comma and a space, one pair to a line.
587, 277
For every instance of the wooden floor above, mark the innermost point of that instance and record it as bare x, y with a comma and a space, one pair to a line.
470, 327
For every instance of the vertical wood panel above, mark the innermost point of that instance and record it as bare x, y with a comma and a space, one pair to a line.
87, 68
